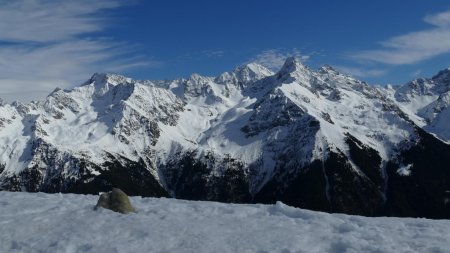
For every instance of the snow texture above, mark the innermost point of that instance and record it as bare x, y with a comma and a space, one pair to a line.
38, 222
427, 103
405, 170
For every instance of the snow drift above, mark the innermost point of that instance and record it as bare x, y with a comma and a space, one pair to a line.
41, 222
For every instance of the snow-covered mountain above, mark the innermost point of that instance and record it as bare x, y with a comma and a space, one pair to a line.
313, 139
427, 102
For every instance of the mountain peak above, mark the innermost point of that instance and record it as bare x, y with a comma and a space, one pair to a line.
442, 76
195, 76
255, 68
196, 79
327, 69
251, 72
107, 78
292, 64
293, 68
244, 74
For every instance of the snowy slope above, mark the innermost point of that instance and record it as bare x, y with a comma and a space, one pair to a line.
427, 101
67, 223
315, 138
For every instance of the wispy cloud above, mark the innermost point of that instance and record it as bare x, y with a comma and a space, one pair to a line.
44, 44
275, 58
415, 46
214, 53
359, 72
417, 73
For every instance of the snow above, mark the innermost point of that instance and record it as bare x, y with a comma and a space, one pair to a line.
38, 222
358, 110
427, 103
405, 170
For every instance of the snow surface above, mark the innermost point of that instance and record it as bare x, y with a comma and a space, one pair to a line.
405, 170
38, 222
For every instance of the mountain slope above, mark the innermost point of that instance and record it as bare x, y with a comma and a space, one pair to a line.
314, 139
427, 101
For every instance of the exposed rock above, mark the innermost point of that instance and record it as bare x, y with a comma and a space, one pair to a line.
116, 200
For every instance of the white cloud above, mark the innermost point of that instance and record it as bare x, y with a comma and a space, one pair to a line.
275, 58
44, 44
214, 53
45, 21
441, 19
359, 72
417, 73
415, 46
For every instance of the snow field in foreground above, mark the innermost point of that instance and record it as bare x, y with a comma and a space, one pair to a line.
38, 222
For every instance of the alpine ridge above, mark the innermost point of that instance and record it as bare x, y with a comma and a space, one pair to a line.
315, 139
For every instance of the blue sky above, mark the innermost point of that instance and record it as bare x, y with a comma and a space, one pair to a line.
44, 44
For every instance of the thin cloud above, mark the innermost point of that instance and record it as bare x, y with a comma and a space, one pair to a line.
275, 58
46, 21
441, 19
214, 53
417, 73
44, 44
415, 46
359, 72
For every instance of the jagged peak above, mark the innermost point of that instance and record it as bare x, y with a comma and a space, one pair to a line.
330, 74
17, 103
442, 76
254, 68
56, 90
108, 78
20, 107
197, 78
249, 72
417, 87
292, 64
327, 69
420, 82
439, 83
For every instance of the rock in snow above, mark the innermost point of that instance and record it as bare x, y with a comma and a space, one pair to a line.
115, 200
314, 139
38, 222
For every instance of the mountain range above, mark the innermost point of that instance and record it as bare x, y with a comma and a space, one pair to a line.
315, 139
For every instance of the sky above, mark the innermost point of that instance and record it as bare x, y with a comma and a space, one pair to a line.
46, 44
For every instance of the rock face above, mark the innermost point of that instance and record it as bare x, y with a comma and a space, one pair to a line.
315, 139
116, 200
